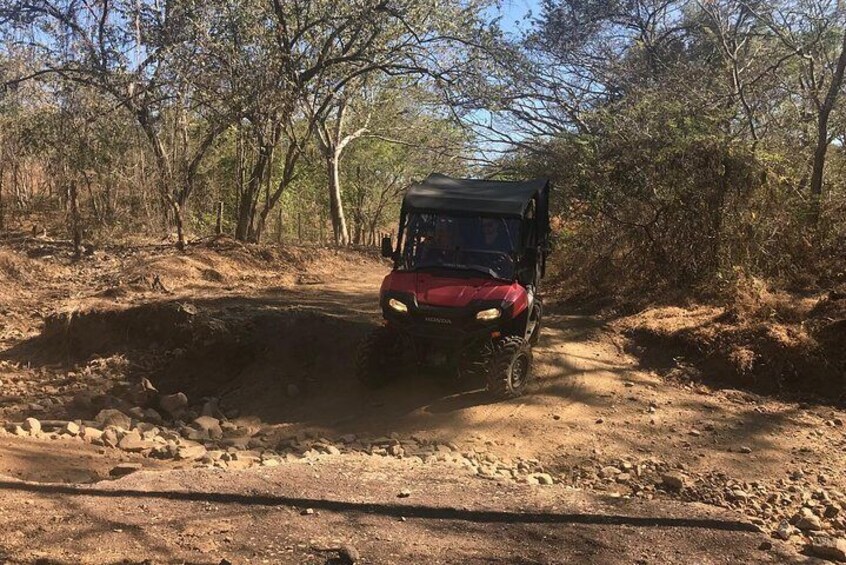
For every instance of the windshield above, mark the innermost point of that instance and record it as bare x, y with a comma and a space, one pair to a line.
480, 244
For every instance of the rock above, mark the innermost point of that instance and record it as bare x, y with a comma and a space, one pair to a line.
142, 393
825, 547
332, 450
785, 531
543, 478
84, 400
32, 426
240, 464
190, 452
307, 512
739, 494
193, 434
404, 493
609, 472
347, 555
152, 416
673, 481
831, 511
256, 443
209, 426
123, 469
745, 449
113, 417
765, 545
173, 404
236, 442
90, 434
134, 443
19, 431
212, 408
71, 428
110, 437
147, 430
807, 521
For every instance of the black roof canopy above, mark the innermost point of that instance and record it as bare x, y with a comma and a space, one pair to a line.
440, 193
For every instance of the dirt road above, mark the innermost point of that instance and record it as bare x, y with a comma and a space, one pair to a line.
606, 432
281, 515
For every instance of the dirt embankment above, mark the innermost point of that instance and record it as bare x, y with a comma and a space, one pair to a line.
769, 342
223, 318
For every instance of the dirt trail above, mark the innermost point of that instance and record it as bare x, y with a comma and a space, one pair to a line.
282, 515
275, 348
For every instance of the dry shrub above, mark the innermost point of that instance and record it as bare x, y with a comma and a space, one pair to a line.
16, 269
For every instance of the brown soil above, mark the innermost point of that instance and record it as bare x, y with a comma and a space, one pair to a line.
273, 318
773, 343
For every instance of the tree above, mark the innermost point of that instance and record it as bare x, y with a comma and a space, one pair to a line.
814, 35
146, 58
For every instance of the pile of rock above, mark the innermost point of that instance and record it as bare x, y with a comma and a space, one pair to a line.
154, 427
797, 508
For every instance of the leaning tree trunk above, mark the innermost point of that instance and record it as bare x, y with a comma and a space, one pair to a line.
75, 224
818, 169
336, 205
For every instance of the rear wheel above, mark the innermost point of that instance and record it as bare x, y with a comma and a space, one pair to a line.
510, 367
533, 329
380, 358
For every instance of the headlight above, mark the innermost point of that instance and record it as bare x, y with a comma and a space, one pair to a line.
397, 306
489, 314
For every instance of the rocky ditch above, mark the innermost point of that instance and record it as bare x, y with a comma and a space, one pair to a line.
803, 508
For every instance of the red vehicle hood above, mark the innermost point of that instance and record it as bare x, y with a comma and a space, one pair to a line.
453, 292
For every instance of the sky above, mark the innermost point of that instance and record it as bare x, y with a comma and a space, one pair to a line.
514, 11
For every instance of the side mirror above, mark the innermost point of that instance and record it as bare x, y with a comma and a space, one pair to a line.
387, 247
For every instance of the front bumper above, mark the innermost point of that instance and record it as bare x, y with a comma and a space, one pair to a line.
454, 326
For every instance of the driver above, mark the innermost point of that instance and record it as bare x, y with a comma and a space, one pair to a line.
440, 244
494, 237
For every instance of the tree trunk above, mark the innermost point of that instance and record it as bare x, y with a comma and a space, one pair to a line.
336, 205
822, 132
2, 209
246, 215
218, 228
180, 225
818, 168
75, 224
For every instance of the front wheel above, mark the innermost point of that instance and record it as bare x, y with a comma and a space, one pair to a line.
379, 358
510, 367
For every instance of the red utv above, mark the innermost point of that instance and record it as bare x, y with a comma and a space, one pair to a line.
463, 294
